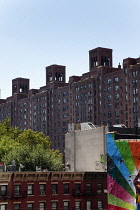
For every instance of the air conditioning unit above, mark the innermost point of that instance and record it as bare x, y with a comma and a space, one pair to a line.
42, 192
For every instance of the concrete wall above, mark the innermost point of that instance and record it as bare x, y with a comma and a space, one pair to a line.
83, 150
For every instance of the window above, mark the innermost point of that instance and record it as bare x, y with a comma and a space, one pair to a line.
66, 188
42, 189
117, 121
54, 189
3, 190
117, 96
77, 205
41, 206
100, 204
3, 207
77, 189
64, 93
109, 97
30, 189
88, 188
109, 105
89, 205
16, 190
109, 114
109, 89
117, 113
99, 188
116, 79
17, 206
66, 205
64, 115
54, 205
108, 81
116, 87
29, 206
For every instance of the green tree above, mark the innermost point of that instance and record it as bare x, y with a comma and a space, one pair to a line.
29, 148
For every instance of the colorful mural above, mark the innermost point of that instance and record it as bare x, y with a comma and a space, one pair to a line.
123, 163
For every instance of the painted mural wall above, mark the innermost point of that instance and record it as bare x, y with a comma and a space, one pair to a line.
123, 163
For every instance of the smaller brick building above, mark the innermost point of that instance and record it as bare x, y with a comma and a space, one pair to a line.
53, 191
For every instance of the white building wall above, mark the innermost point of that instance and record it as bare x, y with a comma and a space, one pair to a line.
83, 150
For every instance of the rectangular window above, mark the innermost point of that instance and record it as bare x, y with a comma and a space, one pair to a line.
41, 206
17, 206
116, 87
29, 206
77, 205
30, 189
88, 188
77, 189
16, 190
99, 188
117, 96
54, 189
108, 81
116, 79
66, 188
109, 97
89, 205
100, 204
42, 189
66, 205
54, 205
3, 190
3, 207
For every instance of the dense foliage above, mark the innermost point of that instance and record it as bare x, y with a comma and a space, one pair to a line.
28, 148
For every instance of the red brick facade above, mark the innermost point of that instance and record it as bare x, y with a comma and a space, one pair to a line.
53, 191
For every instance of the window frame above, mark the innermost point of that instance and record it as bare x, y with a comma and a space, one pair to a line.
54, 189
18, 206
66, 205
3, 192
17, 192
30, 208
66, 188
30, 191
56, 205
43, 206
42, 189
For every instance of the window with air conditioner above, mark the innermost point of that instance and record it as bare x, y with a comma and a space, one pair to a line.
42, 189
54, 189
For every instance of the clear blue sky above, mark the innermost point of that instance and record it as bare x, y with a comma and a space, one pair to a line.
37, 33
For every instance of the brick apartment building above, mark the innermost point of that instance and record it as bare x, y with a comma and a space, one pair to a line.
104, 95
53, 191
